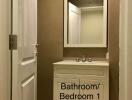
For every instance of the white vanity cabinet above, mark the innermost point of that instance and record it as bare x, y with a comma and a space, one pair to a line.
81, 80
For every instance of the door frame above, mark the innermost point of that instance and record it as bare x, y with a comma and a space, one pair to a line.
14, 52
123, 64
5, 57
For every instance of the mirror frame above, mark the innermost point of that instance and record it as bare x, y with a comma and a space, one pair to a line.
103, 45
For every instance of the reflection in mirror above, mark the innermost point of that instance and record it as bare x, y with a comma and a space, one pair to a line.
85, 23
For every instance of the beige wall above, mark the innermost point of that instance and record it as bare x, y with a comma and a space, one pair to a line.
113, 31
4, 50
91, 27
50, 39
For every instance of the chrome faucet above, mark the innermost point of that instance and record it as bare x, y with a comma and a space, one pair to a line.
84, 59
90, 60
77, 59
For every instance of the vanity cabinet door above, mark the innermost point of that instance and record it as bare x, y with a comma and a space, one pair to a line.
61, 86
95, 87
93, 82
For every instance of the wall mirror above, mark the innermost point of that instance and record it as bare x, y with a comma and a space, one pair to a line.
85, 23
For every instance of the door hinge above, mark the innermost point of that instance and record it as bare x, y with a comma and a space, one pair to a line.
13, 42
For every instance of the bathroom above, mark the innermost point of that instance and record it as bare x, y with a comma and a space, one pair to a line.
51, 40
65, 49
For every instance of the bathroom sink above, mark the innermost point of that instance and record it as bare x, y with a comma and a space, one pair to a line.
73, 62
69, 73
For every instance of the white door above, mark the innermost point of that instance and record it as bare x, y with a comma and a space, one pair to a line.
74, 24
24, 59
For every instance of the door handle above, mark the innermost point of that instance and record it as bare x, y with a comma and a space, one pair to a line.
36, 45
36, 53
35, 49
